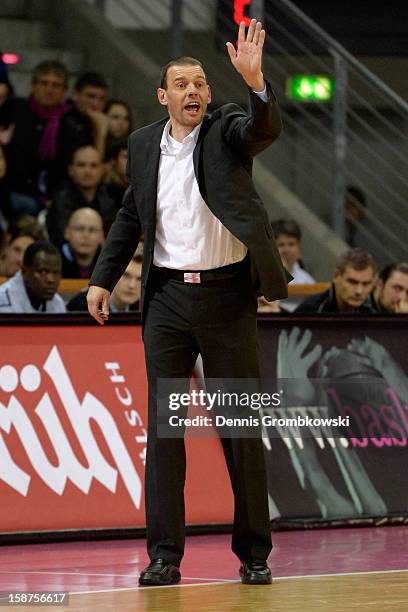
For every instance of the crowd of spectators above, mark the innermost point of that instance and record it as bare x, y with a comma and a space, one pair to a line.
356, 286
62, 178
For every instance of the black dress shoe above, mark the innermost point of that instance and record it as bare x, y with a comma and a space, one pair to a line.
159, 572
255, 572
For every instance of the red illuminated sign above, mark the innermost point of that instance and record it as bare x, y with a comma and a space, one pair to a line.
10, 58
239, 10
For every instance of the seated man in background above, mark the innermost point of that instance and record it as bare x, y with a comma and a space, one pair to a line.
391, 291
126, 295
288, 236
353, 281
34, 288
32, 150
84, 238
83, 189
17, 240
85, 123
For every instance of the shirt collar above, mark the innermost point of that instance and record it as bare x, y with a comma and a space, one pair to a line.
167, 142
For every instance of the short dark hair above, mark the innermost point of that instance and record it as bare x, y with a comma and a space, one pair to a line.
39, 247
357, 258
26, 226
113, 102
286, 226
92, 79
75, 151
184, 60
389, 270
51, 66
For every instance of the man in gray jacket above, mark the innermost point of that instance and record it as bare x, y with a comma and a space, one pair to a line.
34, 288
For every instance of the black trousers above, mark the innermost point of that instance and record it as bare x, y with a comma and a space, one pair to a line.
216, 319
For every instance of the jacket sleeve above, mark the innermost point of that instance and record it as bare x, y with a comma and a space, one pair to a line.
249, 134
120, 245
121, 242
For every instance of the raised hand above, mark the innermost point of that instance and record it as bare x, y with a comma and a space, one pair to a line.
247, 58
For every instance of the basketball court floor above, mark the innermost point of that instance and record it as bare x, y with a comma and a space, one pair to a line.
331, 570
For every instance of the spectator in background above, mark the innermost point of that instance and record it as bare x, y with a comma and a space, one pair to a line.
353, 281
355, 205
119, 118
82, 189
32, 150
85, 123
6, 105
84, 238
6, 213
17, 240
391, 291
115, 163
288, 236
34, 288
126, 294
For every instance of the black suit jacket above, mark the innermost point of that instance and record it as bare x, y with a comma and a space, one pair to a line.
227, 143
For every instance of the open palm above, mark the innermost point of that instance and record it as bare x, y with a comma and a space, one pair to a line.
247, 58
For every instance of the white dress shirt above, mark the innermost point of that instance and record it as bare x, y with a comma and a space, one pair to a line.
300, 277
188, 235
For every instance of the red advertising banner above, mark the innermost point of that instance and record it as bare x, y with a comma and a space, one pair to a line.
73, 421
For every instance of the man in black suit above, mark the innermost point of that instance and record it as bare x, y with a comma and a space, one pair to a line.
209, 250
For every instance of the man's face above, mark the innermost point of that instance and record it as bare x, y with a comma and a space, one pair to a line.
43, 277
289, 249
186, 97
353, 286
86, 168
49, 89
14, 253
127, 290
393, 291
84, 232
90, 99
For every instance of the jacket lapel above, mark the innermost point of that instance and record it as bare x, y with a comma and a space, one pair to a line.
197, 156
152, 159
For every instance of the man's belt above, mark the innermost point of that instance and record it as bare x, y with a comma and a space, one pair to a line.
197, 277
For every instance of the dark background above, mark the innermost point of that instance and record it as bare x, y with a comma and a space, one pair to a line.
364, 27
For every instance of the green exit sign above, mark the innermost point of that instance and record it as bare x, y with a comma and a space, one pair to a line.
310, 88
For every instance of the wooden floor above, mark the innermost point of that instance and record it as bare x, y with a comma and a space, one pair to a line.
343, 593
334, 570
